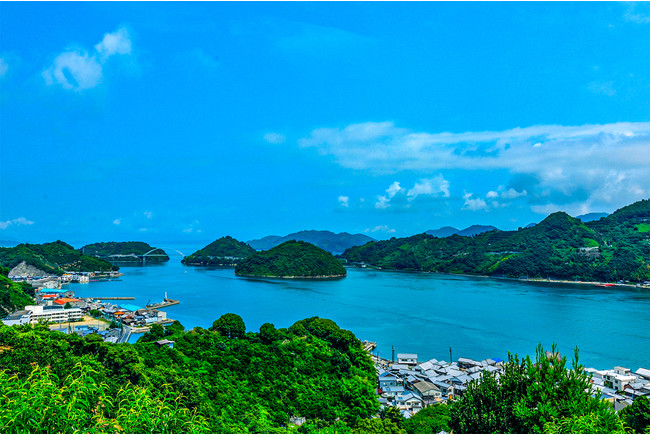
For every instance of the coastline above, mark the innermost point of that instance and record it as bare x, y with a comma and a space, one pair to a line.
260, 276
530, 280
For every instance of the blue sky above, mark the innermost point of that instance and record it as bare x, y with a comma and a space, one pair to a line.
190, 121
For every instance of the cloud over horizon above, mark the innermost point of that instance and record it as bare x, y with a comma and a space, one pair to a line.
579, 167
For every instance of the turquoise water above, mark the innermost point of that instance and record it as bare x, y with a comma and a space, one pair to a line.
414, 312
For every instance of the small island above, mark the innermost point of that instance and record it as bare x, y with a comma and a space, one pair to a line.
292, 260
126, 251
225, 252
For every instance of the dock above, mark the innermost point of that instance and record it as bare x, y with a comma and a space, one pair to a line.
165, 303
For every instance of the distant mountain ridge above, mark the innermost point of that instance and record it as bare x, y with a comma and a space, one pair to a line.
326, 240
592, 216
448, 231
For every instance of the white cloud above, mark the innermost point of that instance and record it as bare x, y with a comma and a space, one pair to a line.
20, 221
79, 70
148, 214
511, 193
74, 70
381, 228
274, 138
492, 195
118, 42
382, 202
434, 187
344, 201
3, 67
476, 204
431, 186
117, 222
604, 166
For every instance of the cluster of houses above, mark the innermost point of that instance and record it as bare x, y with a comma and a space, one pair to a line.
411, 386
128, 314
59, 306
620, 385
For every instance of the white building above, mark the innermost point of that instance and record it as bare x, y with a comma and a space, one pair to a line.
618, 378
407, 359
53, 314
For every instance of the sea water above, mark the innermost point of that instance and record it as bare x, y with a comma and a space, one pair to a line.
423, 313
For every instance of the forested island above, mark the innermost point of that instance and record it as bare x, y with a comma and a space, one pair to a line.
613, 248
125, 251
292, 259
225, 251
53, 258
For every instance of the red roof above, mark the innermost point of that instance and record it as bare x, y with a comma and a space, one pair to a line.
63, 301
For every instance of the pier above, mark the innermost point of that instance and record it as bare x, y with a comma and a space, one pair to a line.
164, 303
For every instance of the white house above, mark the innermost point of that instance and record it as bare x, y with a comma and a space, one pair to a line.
407, 359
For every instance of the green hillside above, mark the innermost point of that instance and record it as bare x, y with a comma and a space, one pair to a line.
292, 259
224, 251
54, 258
125, 251
221, 380
613, 248
13, 295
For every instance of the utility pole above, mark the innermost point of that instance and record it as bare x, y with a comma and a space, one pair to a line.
392, 360
450, 359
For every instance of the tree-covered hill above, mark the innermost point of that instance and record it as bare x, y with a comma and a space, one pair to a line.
326, 240
224, 251
613, 248
124, 251
13, 295
292, 259
221, 380
54, 258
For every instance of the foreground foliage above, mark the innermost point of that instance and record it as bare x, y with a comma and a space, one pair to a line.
534, 397
227, 380
243, 382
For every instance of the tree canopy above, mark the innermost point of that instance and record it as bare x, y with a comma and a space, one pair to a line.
292, 259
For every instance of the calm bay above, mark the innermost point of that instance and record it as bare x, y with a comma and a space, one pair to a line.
414, 312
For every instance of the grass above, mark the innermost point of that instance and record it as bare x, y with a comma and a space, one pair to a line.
643, 227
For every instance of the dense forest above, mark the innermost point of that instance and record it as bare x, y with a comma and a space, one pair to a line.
614, 248
13, 295
53, 258
124, 251
291, 259
221, 379
227, 380
224, 251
